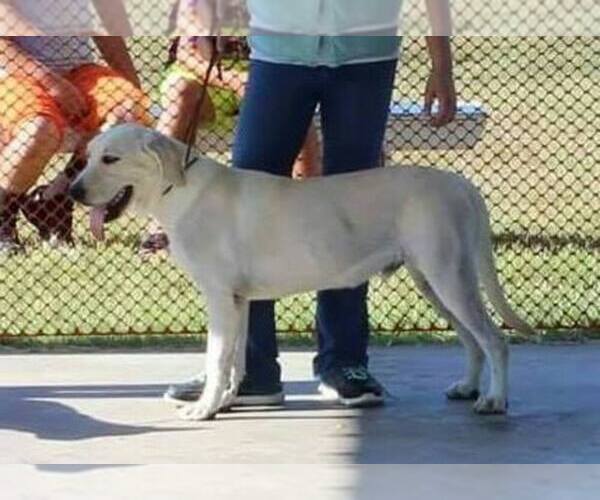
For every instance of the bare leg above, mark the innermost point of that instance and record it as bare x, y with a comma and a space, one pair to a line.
181, 97
26, 155
128, 111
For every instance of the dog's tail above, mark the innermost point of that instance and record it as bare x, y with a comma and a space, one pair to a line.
489, 278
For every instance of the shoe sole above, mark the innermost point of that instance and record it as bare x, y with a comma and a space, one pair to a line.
276, 399
241, 401
367, 400
180, 401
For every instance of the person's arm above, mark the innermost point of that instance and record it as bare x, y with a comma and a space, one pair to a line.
196, 17
12, 21
114, 17
15, 61
440, 85
115, 53
440, 17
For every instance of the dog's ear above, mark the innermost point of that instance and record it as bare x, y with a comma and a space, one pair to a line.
168, 157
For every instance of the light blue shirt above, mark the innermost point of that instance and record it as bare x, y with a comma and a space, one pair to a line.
324, 32
332, 51
325, 17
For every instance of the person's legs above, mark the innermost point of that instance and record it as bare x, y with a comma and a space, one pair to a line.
113, 98
354, 112
277, 110
22, 161
179, 96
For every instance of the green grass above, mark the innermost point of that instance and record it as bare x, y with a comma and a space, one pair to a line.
300, 340
536, 164
109, 289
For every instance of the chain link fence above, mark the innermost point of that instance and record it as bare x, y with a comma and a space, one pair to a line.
527, 135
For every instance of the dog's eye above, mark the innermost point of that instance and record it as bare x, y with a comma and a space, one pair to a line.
109, 160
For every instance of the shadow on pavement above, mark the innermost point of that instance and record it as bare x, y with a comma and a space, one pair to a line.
30, 409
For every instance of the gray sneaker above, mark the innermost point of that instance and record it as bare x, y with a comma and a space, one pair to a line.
191, 390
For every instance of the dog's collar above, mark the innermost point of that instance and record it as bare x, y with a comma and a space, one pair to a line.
186, 167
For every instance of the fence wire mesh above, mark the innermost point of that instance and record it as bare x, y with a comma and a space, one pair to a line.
527, 137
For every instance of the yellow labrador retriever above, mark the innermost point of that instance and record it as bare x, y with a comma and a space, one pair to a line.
244, 235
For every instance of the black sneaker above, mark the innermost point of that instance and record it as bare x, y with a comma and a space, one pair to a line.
353, 386
248, 394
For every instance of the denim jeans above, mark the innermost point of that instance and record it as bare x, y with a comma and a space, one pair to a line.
279, 105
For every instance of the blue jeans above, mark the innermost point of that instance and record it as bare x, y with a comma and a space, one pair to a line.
279, 105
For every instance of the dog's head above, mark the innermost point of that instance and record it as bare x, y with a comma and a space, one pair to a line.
128, 166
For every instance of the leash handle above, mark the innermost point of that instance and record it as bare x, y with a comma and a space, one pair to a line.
194, 124
214, 57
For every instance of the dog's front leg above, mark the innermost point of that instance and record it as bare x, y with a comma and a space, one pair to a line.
238, 370
225, 316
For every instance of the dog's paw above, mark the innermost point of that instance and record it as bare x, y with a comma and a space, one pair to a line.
460, 391
196, 412
228, 400
486, 405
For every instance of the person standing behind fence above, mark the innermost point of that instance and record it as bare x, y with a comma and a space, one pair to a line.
51, 86
180, 92
351, 79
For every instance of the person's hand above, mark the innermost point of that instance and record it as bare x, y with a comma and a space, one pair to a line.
69, 99
309, 162
440, 88
304, 169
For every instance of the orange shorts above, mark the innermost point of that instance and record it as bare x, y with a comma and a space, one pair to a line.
104, 89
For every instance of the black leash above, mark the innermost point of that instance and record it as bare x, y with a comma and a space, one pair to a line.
192, 131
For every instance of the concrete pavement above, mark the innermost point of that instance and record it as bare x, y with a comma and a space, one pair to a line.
103, 409
106, 408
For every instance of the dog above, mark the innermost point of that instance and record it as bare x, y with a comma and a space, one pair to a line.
245, 235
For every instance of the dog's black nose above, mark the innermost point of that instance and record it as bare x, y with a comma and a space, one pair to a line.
77, 191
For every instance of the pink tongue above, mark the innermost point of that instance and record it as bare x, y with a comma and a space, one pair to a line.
97, 217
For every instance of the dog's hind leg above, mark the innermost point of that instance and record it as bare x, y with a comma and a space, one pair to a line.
226, 317
468, 387
456, 285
